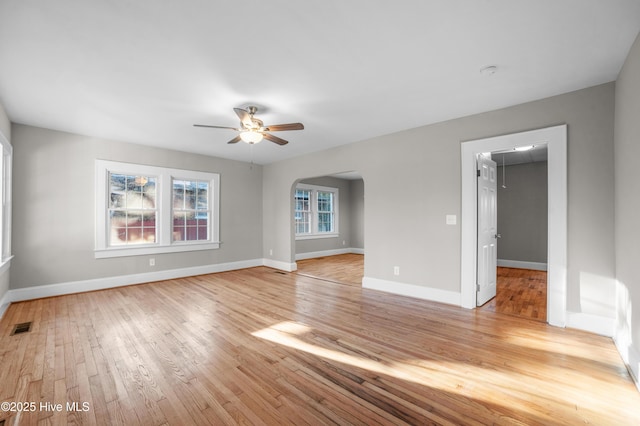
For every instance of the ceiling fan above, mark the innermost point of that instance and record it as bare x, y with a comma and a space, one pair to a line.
252, 130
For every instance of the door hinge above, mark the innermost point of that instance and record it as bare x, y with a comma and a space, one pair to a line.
477, 287
478, 173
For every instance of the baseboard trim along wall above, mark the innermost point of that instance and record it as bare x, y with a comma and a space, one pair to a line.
412, 290
593, 323
283, 266
537, 266
324, 253
628, 353
60, 289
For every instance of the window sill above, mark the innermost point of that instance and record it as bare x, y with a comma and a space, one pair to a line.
317, 236
140, 251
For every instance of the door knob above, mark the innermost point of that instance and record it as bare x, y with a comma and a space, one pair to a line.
498, 236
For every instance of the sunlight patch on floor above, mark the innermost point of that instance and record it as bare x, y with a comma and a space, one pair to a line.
464, 379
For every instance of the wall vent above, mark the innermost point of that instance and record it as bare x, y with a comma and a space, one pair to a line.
23, 327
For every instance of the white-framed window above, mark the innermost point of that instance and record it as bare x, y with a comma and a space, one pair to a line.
191, 209
6, 160
144, 209
303, 211
315, 211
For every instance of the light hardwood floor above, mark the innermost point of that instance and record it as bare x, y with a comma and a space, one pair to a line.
342, 268
259, 346
521, 292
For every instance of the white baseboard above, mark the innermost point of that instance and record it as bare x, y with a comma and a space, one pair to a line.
60, 289
537, 266
283, 266
411, 290
629, 354
593, 323
324, 253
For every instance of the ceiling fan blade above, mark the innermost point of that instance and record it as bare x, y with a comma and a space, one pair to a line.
245, 117
281, 127
216, 127
235, 140
275, 139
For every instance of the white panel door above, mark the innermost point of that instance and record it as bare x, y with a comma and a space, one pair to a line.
487, 230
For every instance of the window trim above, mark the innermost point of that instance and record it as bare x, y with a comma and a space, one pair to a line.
6, 168
209, 210
164, 241
315, 234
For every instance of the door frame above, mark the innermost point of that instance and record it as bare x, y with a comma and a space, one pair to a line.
556, 139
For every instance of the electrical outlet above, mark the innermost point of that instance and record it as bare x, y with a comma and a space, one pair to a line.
152, 261
344, 243
270, 252
396, 270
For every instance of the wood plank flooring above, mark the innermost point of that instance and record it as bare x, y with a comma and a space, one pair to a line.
259, 346
342, 268
521, 292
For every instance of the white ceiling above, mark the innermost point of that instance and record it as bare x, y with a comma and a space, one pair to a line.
512, 157
145, 71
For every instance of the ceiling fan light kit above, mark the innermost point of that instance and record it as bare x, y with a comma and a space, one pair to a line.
252, 130
251, 136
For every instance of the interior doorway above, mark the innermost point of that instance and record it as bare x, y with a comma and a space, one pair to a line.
555, 139
328, 221
521, 230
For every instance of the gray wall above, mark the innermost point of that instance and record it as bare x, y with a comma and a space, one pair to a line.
344, 213
357, 213
412, 181
5, 129
627, 204
54, 208
522, 212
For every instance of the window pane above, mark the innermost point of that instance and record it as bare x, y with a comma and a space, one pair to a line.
149, 234
178, 194
134, 218
118, 236
117, 190
189, 195
202, 219
190, 210
302, 211
203, 233
132, 228
325, 201
203, 196
303, 224
132, 205
303, 198
325, 222
178, 233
